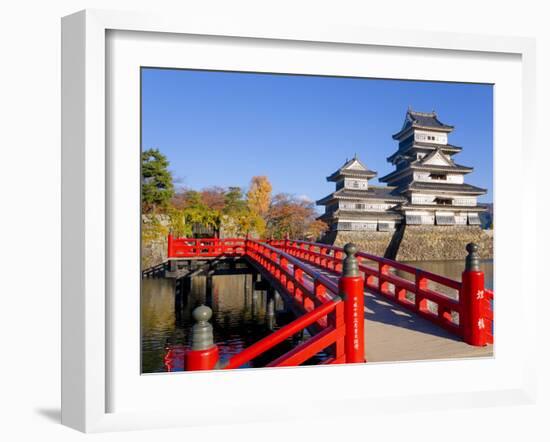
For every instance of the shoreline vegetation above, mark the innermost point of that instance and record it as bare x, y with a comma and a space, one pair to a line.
217, 211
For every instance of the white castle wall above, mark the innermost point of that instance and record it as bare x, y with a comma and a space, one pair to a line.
356, 183
430, 137
455, 178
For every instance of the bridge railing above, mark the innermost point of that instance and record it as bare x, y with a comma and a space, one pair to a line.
464, 308
332, 334
456, 306
306, 287
337, 331
204, 247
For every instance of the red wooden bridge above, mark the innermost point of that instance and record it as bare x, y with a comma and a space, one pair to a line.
357, 307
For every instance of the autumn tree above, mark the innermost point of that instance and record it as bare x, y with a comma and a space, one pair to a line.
190, 207
292, 216
183, 198
157, 187
259, 195
239, 219
316, 230
214, 197
250, 223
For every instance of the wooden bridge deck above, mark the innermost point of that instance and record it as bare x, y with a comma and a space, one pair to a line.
393, 333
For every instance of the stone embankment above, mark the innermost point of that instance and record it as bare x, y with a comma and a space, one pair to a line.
442, 243
420, 243
375, 243
154, 240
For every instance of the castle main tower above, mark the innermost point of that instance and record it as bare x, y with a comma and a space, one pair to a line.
427, 176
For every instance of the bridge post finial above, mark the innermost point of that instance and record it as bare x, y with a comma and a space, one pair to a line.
351, 266
472, 297
350, 288
204, 353
472, 259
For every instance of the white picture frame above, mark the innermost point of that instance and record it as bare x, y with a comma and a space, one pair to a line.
87, 213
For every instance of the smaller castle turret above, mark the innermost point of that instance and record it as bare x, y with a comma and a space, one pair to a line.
356, 204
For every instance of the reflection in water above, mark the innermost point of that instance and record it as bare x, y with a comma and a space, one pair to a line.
239, 318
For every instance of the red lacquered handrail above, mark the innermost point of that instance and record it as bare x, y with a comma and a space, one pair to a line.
205, 247
260, 247
280, 335
379, 277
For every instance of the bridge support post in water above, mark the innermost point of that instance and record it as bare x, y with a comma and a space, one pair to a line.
204, 354
270, 313
473, 293
208, 295
351, 290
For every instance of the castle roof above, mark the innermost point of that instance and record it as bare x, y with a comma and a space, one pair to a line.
440, 208
352, 168
372, 193
422, 120
421, 145
443, 187
360, 215
435, 161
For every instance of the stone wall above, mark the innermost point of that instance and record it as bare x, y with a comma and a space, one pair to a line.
154, 240
427, 243
419, 243
375, 243
153, 253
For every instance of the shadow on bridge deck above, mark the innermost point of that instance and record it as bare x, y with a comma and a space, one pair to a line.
393, 333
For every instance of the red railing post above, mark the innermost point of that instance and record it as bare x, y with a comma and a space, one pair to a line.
471, 297
421, 285
383, 269
351, 290
337, 257
170, 245
204, 353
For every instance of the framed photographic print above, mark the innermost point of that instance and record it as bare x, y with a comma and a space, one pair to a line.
321, 211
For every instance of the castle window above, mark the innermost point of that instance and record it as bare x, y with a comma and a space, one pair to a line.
444, 201
473, 219
414, 219
444, 220
344, 226
438, 176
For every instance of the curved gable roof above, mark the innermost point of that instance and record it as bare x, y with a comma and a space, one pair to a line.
422, 120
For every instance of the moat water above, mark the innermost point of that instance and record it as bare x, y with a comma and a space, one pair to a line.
239, 319
239, 315
454, 269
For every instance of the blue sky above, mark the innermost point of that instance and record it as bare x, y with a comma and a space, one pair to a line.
222, 128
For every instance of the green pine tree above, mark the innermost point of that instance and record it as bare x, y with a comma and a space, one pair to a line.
157, 187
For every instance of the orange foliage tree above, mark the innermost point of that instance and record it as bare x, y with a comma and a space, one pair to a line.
293, 217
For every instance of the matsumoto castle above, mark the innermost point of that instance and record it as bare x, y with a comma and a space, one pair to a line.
426, 188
